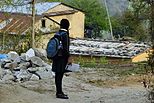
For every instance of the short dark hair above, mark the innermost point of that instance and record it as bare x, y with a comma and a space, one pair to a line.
64, 23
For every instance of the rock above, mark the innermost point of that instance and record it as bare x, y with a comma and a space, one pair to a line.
14, 65
53, 74
11, 66
45, 73
49, 69
4, 62
40, 53
47, 66
34, 77
8, 77
18, 60
1, 72
37, 61
7, 72
7, 65
13, 55
23, 75
23, 57
30, 53
24, 65
31, 69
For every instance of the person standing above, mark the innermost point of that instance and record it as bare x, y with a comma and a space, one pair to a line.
62, 57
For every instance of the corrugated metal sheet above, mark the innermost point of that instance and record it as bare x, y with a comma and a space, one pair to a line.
40, 8
15, 23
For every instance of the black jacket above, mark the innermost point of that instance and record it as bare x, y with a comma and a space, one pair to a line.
61, 59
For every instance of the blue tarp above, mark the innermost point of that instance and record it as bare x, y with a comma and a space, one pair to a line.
3, 56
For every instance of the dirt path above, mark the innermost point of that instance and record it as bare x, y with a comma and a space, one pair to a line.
79, 92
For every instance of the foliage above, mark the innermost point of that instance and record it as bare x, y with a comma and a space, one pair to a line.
134, 22
103, 60
96, 18
151, 60
20, 43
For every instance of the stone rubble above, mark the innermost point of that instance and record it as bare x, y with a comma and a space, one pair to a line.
121, 49
28, 66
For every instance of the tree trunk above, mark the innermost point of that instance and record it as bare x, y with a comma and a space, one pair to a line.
33, 24
152, 22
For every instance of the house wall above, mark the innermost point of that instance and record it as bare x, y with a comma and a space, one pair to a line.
141, 57
76, 21
109, 60
77, 28
59, 7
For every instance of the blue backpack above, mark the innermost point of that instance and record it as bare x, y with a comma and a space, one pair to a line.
54, 45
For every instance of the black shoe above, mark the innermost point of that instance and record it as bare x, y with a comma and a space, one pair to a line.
62, 96
62, 93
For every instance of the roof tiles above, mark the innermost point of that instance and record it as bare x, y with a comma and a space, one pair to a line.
106, 48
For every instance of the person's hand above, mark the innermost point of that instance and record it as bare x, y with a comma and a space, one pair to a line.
70, 60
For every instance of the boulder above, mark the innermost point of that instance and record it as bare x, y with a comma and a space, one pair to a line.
23, 75
24, 65
40, 53
30, 53
34, 77
11, 66
18, 60
45, 73
31, 69
47, 66
4, 62
7, 65
13, 55
37, 61
23, 57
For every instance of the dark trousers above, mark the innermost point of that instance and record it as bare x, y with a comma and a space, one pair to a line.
58, 82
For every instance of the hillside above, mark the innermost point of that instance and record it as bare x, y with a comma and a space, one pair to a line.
116, 7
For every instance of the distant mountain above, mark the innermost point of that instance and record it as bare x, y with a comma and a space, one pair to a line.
116, 7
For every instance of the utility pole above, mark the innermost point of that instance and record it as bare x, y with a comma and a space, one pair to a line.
152, 22
108, 15
33, 24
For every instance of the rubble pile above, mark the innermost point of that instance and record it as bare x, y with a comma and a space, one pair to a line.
27, 66
107, 48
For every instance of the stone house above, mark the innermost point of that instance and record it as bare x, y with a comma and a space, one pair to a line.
17, 20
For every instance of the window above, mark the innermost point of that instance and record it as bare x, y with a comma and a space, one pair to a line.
43, 23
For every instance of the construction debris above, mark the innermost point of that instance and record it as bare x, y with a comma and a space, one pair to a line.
25, 67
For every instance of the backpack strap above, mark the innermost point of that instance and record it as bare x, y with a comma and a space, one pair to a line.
59, 35
56, 43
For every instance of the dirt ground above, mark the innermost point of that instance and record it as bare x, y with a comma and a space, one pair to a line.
87, 86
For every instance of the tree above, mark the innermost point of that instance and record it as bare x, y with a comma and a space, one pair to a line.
95, 14
144, 9
134, 21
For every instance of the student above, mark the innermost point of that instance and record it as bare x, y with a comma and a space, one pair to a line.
62, 58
